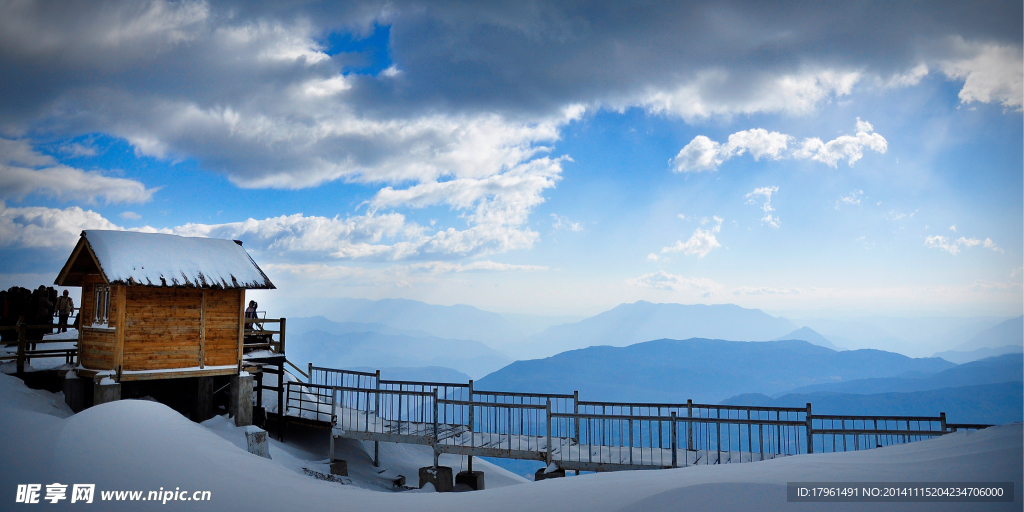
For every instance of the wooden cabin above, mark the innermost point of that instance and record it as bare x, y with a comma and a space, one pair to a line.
158, 306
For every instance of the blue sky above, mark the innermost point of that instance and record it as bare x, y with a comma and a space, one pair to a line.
533, 158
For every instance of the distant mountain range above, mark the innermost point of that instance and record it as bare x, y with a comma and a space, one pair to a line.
376, 350
810, 336
418, 318
1006, 368
421, 374
700, 369
987, 403
642, 321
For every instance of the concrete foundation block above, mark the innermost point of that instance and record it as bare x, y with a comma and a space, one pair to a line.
240, 403
474, 479
339, 467
544, 474
440, 477
106, 391
256, 441
74, 390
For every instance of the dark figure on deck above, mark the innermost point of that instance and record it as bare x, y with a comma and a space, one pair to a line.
40, 313
65, 305
250, 312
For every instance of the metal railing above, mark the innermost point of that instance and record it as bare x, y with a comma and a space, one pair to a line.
584, 435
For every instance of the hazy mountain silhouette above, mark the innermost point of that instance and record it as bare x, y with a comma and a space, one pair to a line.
699, 369
301, 325
958, 357
1010, 332
453, 322
1006, 368
987, 403
641, 321
810, 336
376, 350
422, 374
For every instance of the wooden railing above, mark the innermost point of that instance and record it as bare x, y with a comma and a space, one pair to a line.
27, 348
256, 336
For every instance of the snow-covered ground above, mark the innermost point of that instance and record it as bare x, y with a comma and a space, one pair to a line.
145, 446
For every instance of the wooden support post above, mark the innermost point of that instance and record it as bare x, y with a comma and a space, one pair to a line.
309, 374
121, 299
942, 421
280, 401
810, 430
202, 330
281, 336
241, 328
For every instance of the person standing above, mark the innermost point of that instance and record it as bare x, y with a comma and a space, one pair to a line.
65, 306
250, 312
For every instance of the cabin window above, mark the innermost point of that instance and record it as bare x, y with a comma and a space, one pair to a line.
102, 305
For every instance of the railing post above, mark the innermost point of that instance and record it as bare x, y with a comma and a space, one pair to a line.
281, 344
548, 458
376, 410
674, 463
21, 346
810, 430
471, 414
436, 453
942, 421
576, 419
334, 413
309, 374
689, 426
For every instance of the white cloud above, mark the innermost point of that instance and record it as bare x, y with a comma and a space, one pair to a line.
129, 216
24, 171
662, 280
992, 73
912, 77
704, 154
766, 207
373, 236
849, 147
791, 93
989, 244
38, 227
953, 228
746, 290
701, 242
652, 257
564, 223
852, 199
953, 246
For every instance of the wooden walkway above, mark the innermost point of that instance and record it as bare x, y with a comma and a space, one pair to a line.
579, 435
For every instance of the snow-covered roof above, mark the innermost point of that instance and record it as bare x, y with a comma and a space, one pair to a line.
155, 259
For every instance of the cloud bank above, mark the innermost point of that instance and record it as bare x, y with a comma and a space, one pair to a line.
704, 154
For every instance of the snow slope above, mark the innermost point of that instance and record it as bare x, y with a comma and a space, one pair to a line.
140, 445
